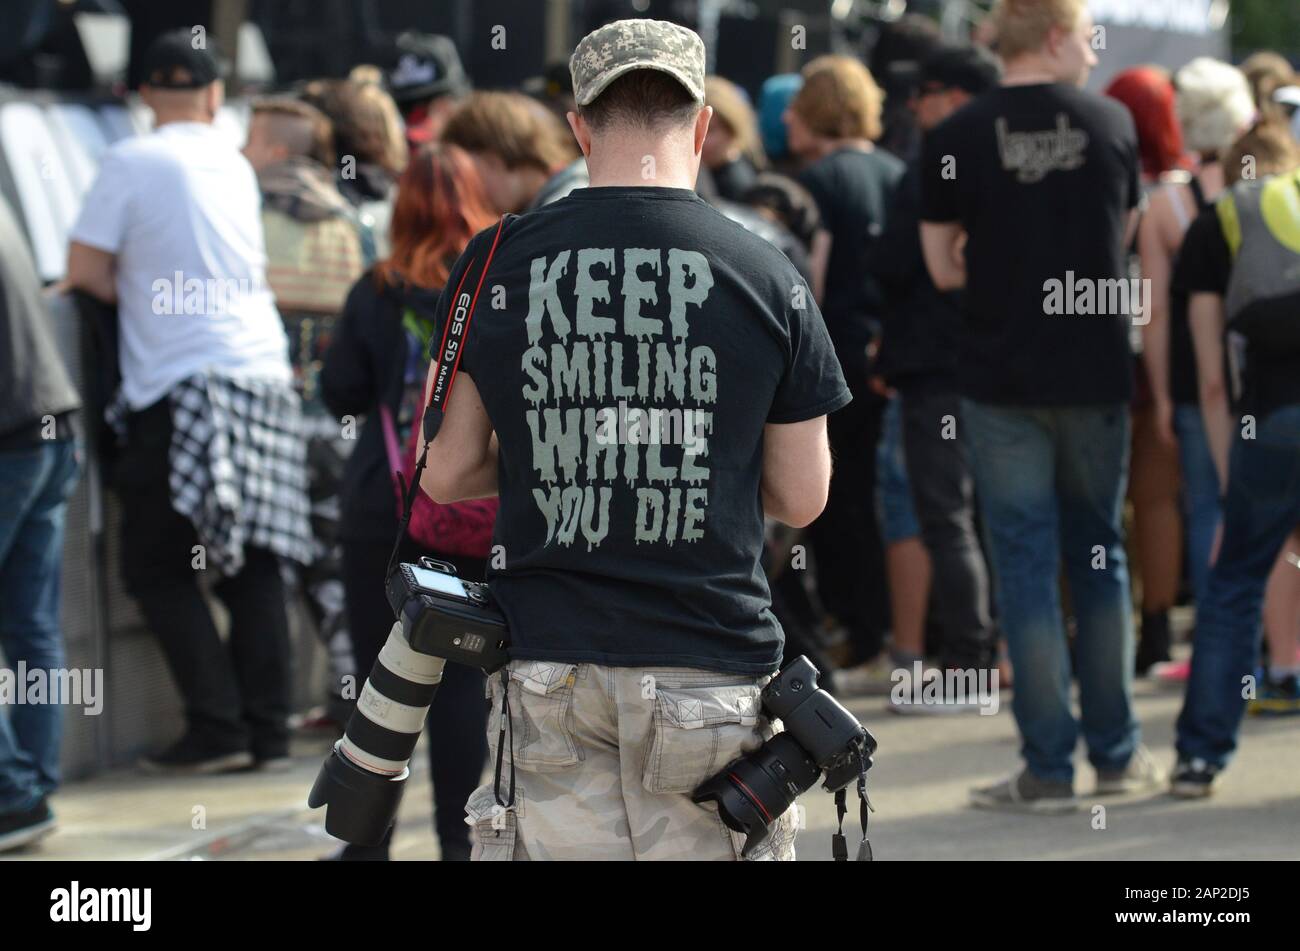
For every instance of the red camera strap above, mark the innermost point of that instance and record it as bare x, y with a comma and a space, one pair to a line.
452, 346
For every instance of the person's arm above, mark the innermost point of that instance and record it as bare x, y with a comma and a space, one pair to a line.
92, 271
942, 242
796, 471
98, 234
819, 257
1131, 227
943, 232
462, 460
347, 379
1205, 313
1156, 268
819, 252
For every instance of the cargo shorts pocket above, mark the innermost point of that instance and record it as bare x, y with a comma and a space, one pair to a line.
541, 715
698, 730
494, 829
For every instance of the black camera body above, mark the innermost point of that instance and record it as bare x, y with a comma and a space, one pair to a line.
446, 617
829, 734
820, 737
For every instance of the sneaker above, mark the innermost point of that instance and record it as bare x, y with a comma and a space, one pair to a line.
18, 829
1140, 775
875, 678
1025, 792
1193, 779
189, 756
1173, 672
1277, 697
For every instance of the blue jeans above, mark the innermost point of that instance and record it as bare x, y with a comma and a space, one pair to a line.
1050, 484
895, 511
34, 487
1262, 507
1201, 508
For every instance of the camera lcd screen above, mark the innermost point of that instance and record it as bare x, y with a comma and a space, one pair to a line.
437, 581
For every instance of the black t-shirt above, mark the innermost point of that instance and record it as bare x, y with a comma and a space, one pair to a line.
1183, 386
922, 325
631, 539
853, 190
1042, 179
1270, 373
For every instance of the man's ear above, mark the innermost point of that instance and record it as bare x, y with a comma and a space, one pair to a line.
702, 128
1055, 37
581, 132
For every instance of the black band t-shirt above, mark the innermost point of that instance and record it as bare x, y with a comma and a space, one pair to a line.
1042, 178
629, 345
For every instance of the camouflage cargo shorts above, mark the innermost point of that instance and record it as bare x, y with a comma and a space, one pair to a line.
606, 759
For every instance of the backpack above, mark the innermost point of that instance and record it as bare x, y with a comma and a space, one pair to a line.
1260, 221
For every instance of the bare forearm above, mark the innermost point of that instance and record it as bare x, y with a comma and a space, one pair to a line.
100, 286
1155, 352
944, 248
1218, 430
92, 272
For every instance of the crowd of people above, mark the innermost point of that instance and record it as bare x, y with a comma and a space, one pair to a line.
1020, 436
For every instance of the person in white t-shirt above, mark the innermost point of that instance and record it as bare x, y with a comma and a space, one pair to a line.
172, 230
214, 462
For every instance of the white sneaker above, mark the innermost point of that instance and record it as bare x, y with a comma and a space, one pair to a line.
1142, 774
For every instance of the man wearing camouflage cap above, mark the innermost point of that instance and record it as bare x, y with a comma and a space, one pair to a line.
655, 382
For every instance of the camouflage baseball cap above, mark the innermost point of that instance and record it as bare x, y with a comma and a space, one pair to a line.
616, 48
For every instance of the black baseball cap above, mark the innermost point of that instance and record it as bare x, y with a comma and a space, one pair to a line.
964, 66
426, 65
181, 59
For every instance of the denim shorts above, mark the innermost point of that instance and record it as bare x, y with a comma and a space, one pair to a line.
894, 508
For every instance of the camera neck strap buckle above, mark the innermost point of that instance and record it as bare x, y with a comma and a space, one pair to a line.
840, 845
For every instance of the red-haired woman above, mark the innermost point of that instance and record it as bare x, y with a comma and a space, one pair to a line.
380, 358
